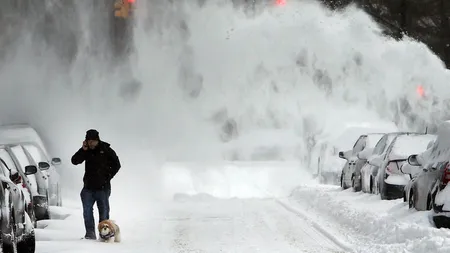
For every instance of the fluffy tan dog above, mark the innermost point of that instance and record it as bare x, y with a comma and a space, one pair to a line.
109, 231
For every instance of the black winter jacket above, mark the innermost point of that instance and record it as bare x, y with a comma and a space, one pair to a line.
101, 165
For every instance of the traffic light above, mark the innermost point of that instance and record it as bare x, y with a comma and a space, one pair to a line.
123, 8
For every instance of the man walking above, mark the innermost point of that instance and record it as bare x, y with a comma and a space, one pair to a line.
101, 166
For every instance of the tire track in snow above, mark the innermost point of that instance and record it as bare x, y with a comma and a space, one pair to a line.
297, 232
316, 226
344, 246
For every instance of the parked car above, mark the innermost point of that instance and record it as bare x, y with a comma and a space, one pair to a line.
36, 183
420, 190
436, 161
354, 164
27, 137
328, 163
37, 157
390, 180
369, 171
16, 229
350, 157
361, 159
20, 180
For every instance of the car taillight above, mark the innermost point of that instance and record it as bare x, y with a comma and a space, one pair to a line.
446, 174
391, 167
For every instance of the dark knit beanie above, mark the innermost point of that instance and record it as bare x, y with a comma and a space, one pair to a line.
92, 134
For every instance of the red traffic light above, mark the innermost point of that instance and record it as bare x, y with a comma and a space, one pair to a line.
280, 2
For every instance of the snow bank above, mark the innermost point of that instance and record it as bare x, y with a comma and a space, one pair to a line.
370, 224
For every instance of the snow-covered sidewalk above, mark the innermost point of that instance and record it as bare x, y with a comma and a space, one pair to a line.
370, 224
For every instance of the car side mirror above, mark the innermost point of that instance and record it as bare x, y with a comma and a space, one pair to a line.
360, 155
56, 161
44, 165
408, 169
341, 155
412, 160
30, 169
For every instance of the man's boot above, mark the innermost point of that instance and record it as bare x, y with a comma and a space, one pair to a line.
90, 236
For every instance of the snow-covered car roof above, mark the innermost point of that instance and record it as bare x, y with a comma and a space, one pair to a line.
20, 133
406, 145
348, 137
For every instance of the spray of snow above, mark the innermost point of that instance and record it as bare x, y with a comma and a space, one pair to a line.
212, 74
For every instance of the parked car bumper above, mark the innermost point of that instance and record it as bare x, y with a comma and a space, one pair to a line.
393, 191
441, 218
40, 206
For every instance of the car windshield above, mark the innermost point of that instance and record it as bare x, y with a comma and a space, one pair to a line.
372, 140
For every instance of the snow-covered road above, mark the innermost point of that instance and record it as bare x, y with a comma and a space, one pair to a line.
199, 224
243, 207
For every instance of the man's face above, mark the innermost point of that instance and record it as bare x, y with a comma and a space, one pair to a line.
92, 144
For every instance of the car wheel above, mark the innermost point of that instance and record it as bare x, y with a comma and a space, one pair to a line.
28, 242
411, 203
430, 202
381, 191
371, 186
